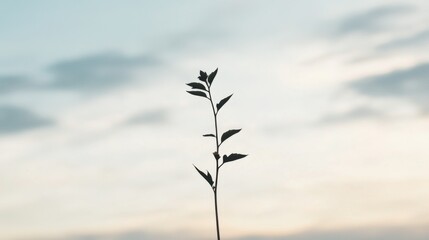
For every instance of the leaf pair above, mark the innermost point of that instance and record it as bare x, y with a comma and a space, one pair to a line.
207, 176
198, 86
208, 80
233, 156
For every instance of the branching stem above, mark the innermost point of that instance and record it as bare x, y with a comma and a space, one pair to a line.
204, 90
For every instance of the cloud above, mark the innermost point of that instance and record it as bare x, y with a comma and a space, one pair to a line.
93, 73
97, 72
125, 236
409, 84
394, 233
386, 233
12, 83
15, 119
351, 115
131, 235
414, 40
156, 116
371, 21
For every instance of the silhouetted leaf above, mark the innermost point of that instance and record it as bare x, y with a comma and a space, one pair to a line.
198, 93
209, 179
207, 176
209, 135
203, 76
216, 155
228, 134
222, 102
196, 85
212, 76
233, 157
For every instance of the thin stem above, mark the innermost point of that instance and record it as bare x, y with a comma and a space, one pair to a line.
215, 120
217, 216
217, 163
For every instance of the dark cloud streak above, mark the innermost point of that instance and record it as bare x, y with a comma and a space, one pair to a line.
97, 72
13, 83
16, 119
157, 116
371, 21
89, 74
411, 84
352, 115
414, 40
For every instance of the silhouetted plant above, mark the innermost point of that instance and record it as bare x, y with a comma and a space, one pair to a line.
204, 90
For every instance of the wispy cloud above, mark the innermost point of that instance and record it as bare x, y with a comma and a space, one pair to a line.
15, 119
380, 233
409, 84
371, 21
97, 72
13, 83
131, 235
156, 116
92, 73
413, 40
392, 233
361, 112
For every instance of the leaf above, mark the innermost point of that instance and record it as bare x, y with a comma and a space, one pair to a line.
212, 76
203, 76
222, 102
198, 93
210, 179
233, 157
228, 134
216, 155
196, 85
209, 135
207, 176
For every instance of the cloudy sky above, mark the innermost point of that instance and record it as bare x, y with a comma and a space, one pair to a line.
98, 136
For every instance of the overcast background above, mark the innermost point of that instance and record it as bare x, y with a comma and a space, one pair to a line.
98, 136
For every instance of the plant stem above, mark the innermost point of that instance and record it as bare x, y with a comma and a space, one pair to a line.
215, 188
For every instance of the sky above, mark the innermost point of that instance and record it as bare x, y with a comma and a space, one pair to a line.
98, 135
